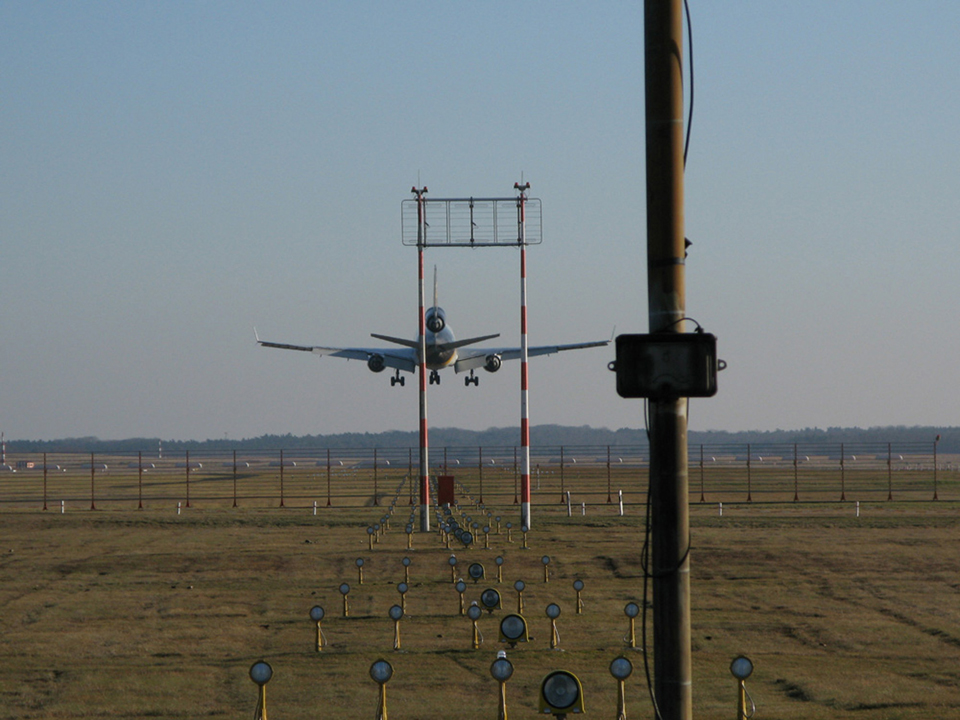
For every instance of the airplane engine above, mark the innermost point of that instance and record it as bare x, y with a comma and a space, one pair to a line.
435, 323
493, 363
375, 363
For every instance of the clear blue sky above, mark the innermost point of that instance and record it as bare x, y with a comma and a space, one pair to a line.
172, 174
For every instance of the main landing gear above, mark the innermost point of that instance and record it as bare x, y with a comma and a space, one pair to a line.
471, 379
397, 380
434, 377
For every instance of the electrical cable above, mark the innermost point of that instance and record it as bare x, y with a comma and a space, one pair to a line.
686, 144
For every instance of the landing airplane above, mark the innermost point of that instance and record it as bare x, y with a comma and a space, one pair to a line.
442, 348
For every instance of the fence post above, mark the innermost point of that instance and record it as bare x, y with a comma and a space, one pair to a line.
93, 504
561, 474
609, 499
935, 441
234, 478
480, 469
796, 489
328, 478
281, 478
889, 471
701, 473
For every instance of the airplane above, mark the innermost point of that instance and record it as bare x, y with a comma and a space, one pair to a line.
442, 350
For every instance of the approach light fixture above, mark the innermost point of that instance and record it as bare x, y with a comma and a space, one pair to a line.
474, 612
260, 673
406, 569
345, 590
560, 694
502, 670
402, 589
490, 599
381, 671
553, 612
546, 568
360, 571
396, 614
513, 629
621, 668
631, 610
316, 614
461, 588
578, 586
499, 562
519, 585
475, 571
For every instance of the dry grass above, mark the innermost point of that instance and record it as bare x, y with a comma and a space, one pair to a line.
125, 614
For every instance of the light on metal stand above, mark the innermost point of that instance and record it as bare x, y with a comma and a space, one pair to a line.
461, 588
316, 614
560, 694
474, 612
490, 599
360, 571
578, 586
381, 671
260, 673
499, 562
553, 612
502, 669
546, 568
396, 613
621, 668
741, 668
402, 589
406, 570
345, 590
519, 585
631, 610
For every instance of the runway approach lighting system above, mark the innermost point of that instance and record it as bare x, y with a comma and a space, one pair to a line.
453, 568
499, 562
461, 588
381, 671
513, 630
560, 694
360, 571
631, 610
621, 668
402, 589
406, 569
553, 612
316, 614
260, 673
741, 667
345, 590
578, 586
546, 568
502, 669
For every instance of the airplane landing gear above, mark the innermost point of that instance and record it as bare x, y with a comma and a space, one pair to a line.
471, 379
397, 380
434, 377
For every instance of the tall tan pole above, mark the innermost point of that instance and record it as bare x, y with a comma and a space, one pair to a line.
670, 529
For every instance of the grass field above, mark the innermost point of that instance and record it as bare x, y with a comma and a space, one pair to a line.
126, 614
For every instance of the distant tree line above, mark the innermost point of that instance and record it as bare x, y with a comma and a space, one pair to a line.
540, 435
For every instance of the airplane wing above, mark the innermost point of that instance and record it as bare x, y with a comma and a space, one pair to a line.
398, 358
477, 357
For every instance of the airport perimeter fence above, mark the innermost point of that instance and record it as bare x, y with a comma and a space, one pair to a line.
590, 475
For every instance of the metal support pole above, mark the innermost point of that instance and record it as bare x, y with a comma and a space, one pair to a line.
424, 452
524, 376
666, 295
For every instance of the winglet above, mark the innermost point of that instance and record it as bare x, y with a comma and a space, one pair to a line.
255, 334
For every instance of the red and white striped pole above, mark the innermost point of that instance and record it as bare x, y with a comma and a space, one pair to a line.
424, 450
524, 385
